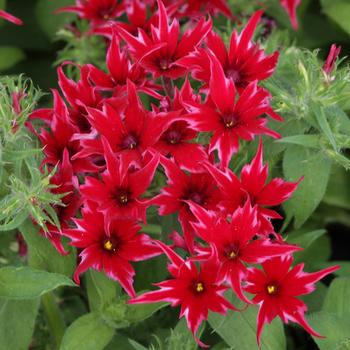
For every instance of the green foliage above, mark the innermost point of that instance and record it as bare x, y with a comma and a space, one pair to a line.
28, 283
88, 332
24, 187
239, 330
17, 319
339, 12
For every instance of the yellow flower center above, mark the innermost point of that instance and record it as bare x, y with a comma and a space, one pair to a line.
271, 289
108, 245
232, 254
229, 124
199, 287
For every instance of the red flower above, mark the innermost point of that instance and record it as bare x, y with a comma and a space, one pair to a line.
229, 118
128, 127
328, 66
276, 288
96, 11
290, 6
109, 245
118, 194
79, 95
176, 139
181, 187
243, 62
160, 52
8, 17
253, 186
196, 291
60, 136
235, 244
120, 70
195, 8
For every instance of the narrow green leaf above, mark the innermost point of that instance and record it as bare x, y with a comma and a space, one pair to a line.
338, 296
312, 141
88, 332
28, 283
17, 320
322, 121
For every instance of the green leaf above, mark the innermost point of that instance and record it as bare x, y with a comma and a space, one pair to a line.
28, 283
312, 141
42, 254
338, 189
338, 296
304, 240
10, 56
88, 332
49, 21
101, 289
335, 328
314, 301
297, 162
238, 330
338, 11
17, 320
322, 122
139, 312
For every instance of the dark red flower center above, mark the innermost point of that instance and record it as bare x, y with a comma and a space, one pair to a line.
199, 287
230, 120
231, 251
233, 74
272, 289
164, 63
196, 197
122, 197
110, 244
173, 137
129, 142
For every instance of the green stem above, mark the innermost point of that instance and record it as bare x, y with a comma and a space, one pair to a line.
54, 318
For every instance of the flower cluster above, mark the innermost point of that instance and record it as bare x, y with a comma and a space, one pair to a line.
112, 150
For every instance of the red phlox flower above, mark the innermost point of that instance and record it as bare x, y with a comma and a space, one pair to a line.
130, 129
109, 245
160, 52
118, 193
231, 119
328, 66
120, 70
197, 291
176, 139
290, 6
8, 17
181, 187
195, 8
60, 137
276, 288
243, 62
79, 95
65, 183
252, 185
96, 11
236, 244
